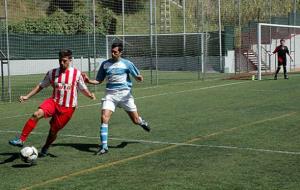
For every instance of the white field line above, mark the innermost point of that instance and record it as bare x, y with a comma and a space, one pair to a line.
15, 116
143, 97
191, 90
176, 84
178, 92
265, 90
155, 86
158, 86
175, 143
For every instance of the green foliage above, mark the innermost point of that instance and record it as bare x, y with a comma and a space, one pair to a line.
79, 21
75, 16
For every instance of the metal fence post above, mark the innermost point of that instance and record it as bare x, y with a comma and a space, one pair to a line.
295, 19
94, 36
184, 27
123, 22
220, 35
259, 50
8, 56
202, 39
151, 40
240, 36
270, 31
156, 49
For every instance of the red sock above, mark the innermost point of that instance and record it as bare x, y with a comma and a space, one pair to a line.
28, 127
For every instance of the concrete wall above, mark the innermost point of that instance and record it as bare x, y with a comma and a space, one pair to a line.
188, 63
230, 62
295, 53
26, 67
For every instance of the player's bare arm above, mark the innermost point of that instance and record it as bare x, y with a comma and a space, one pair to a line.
33, 92
290, 57
88, 80
139, 78
88, 94
95, 82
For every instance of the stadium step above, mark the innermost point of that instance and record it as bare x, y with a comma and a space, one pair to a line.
252, 57
4, 61
178, 3
2, 55
165, 16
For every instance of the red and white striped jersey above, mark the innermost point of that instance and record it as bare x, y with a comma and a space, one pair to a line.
65, 85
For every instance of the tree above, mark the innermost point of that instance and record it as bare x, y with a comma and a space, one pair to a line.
79, 21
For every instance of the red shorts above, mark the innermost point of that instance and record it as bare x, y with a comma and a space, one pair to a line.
60, 114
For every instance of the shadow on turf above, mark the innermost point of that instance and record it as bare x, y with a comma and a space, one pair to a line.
12, 157
91, 147
22, 165
82, 147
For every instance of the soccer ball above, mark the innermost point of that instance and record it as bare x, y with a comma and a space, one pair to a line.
29, 154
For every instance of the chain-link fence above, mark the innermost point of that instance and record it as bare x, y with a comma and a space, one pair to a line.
169, 40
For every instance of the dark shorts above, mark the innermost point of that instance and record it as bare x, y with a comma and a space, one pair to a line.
281, 61
282, 64
60, 115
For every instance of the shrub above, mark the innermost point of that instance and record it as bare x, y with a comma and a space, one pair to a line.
79, 21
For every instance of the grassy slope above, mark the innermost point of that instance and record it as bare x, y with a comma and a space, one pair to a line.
18, 10
138, 23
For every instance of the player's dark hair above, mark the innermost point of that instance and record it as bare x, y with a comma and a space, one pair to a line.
65, 53
282, 40
117, 44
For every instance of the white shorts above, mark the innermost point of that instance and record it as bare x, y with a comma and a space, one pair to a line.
121, 98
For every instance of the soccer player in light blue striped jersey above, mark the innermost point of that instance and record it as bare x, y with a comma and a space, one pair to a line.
118, 91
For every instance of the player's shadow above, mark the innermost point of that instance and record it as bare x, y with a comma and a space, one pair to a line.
91, 147
11, 157
22, 165
122, 144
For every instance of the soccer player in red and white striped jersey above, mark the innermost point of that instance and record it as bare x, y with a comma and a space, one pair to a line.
65, 81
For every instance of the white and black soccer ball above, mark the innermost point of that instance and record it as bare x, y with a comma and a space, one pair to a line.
29, 154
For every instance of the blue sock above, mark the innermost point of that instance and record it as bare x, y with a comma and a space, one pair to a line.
104, 135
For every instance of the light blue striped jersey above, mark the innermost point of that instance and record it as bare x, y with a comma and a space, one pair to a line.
117, 74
